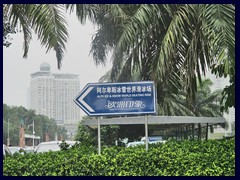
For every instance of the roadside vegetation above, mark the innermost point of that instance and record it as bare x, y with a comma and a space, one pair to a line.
14, 116
174, 158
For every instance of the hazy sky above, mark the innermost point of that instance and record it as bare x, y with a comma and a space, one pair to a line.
17, 70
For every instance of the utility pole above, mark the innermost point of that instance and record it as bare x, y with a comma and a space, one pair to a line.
33, 131
8, 139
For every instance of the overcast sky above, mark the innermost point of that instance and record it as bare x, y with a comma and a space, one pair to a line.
17, 70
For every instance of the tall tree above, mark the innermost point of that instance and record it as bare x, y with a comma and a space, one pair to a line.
207, 103
167, 43
15, 114
220, 20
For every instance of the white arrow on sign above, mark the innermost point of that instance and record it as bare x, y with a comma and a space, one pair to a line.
83, 102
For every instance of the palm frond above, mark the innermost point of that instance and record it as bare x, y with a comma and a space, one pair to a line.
48, 21
220, 28
18, 18
84, 11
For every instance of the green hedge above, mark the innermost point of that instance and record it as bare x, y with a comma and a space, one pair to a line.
174, 158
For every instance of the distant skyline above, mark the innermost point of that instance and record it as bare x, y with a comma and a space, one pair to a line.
17, 70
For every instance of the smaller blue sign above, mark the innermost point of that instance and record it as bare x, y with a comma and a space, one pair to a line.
102, 99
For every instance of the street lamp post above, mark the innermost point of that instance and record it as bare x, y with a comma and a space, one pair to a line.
8, 139
33, 131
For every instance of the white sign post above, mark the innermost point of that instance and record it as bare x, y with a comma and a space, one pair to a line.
99, 136
146, 132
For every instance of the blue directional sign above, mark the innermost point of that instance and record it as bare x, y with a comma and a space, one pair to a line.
102, 99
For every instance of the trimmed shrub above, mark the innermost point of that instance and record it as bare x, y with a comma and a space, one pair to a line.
174, 158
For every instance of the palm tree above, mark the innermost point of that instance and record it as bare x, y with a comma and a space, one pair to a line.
207, 103
167, 43
221, 29
47, 21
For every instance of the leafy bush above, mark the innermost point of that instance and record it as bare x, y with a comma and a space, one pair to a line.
174, 158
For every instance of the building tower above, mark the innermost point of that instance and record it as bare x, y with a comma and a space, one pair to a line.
42, 91
66, 87
52, 94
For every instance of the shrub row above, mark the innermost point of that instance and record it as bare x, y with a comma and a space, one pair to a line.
174, 158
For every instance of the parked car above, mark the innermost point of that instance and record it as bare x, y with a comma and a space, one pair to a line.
155, 142
20, 150
51, 146
29, 149
14, 149
6, 151
135, 143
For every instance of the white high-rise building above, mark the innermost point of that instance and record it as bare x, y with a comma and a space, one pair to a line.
53, 94
66, 87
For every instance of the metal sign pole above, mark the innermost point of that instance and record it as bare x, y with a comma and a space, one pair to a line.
99, 137
8, 139
33, 133
146, 131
